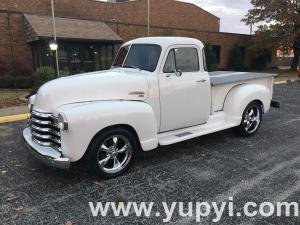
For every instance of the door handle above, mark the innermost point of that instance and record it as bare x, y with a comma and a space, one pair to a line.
201, 81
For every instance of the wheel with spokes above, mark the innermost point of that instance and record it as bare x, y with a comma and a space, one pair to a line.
251, 120
111, 153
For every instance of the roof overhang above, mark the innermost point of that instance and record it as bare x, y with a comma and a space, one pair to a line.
41, 27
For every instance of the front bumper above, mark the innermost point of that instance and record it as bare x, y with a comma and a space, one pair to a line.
47, 155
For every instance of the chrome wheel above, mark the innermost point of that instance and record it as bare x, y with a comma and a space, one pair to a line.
252, 119
114, 154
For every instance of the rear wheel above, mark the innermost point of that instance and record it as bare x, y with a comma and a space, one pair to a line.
251, 120
112, 153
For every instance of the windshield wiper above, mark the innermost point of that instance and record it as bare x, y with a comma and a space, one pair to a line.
134, 67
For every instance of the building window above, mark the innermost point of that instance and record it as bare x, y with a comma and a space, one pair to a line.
76, 57
217, 51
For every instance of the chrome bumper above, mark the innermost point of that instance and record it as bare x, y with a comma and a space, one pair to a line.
47, 155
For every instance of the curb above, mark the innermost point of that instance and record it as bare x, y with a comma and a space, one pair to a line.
13, 118
285, 82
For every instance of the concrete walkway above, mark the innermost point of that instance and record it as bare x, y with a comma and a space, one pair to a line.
287, 78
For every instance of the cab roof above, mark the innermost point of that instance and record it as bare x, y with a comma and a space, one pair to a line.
166, 41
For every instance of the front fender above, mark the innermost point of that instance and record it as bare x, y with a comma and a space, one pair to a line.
240, 96
85, 120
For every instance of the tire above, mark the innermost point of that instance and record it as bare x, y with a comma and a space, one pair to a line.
111, 153
251, 120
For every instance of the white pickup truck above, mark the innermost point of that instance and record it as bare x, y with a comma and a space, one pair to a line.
157, 92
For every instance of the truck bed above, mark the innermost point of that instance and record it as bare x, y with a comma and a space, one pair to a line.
226, 77
223, 81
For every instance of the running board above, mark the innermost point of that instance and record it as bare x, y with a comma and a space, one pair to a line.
215, 123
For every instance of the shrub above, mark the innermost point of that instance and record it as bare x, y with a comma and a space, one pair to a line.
64, 72
23, 82
236, 59
211, 58
260, 59
43, 75
6, 81
9, 81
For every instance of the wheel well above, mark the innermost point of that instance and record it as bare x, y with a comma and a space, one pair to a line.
123, 126
260, 103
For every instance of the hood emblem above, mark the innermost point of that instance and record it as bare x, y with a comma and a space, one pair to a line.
140, 94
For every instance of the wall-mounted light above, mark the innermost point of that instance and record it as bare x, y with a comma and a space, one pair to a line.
53, 45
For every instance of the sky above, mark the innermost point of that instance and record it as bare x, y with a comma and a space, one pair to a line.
229, 11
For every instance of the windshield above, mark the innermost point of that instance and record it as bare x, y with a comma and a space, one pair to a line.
138, 56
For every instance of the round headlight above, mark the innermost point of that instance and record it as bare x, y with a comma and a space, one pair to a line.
62, 122
30, 102
30, 106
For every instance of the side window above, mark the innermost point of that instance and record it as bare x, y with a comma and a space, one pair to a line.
170, 63
187, 59
184, 59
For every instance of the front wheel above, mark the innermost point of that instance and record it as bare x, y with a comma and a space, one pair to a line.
112, 153
251, 120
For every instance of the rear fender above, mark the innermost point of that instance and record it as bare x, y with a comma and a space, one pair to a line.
240, 96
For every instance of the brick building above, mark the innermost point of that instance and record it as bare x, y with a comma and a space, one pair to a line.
89, 31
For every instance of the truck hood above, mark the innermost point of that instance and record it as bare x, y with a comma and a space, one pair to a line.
115, 84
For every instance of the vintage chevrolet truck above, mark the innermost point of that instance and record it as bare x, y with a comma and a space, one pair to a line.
157, 92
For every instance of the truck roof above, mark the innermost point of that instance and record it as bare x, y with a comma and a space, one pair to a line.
166, 41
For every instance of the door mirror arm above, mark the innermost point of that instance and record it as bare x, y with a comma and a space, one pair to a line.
177, 73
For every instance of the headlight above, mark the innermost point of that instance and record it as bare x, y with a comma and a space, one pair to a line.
30, 106
30, 103
62, 122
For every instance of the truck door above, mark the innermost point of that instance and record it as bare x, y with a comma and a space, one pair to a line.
185, 92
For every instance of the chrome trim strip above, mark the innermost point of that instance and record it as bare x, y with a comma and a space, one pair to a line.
46, 137
42, 115
42, 122
46, 144
45, 130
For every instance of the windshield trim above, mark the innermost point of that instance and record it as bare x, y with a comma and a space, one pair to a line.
129, 47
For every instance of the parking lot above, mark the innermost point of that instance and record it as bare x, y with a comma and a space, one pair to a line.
210, 168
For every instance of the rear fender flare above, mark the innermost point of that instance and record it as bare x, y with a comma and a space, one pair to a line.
240, 96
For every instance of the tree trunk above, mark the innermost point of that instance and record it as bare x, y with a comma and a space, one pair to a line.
296, 48
294, 65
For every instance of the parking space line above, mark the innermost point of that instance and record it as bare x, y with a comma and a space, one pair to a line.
280, 82
286, 81
13, 118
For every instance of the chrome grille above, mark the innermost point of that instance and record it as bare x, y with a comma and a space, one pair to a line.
45, 130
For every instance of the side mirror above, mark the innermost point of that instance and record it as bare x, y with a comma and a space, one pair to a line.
178, 73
